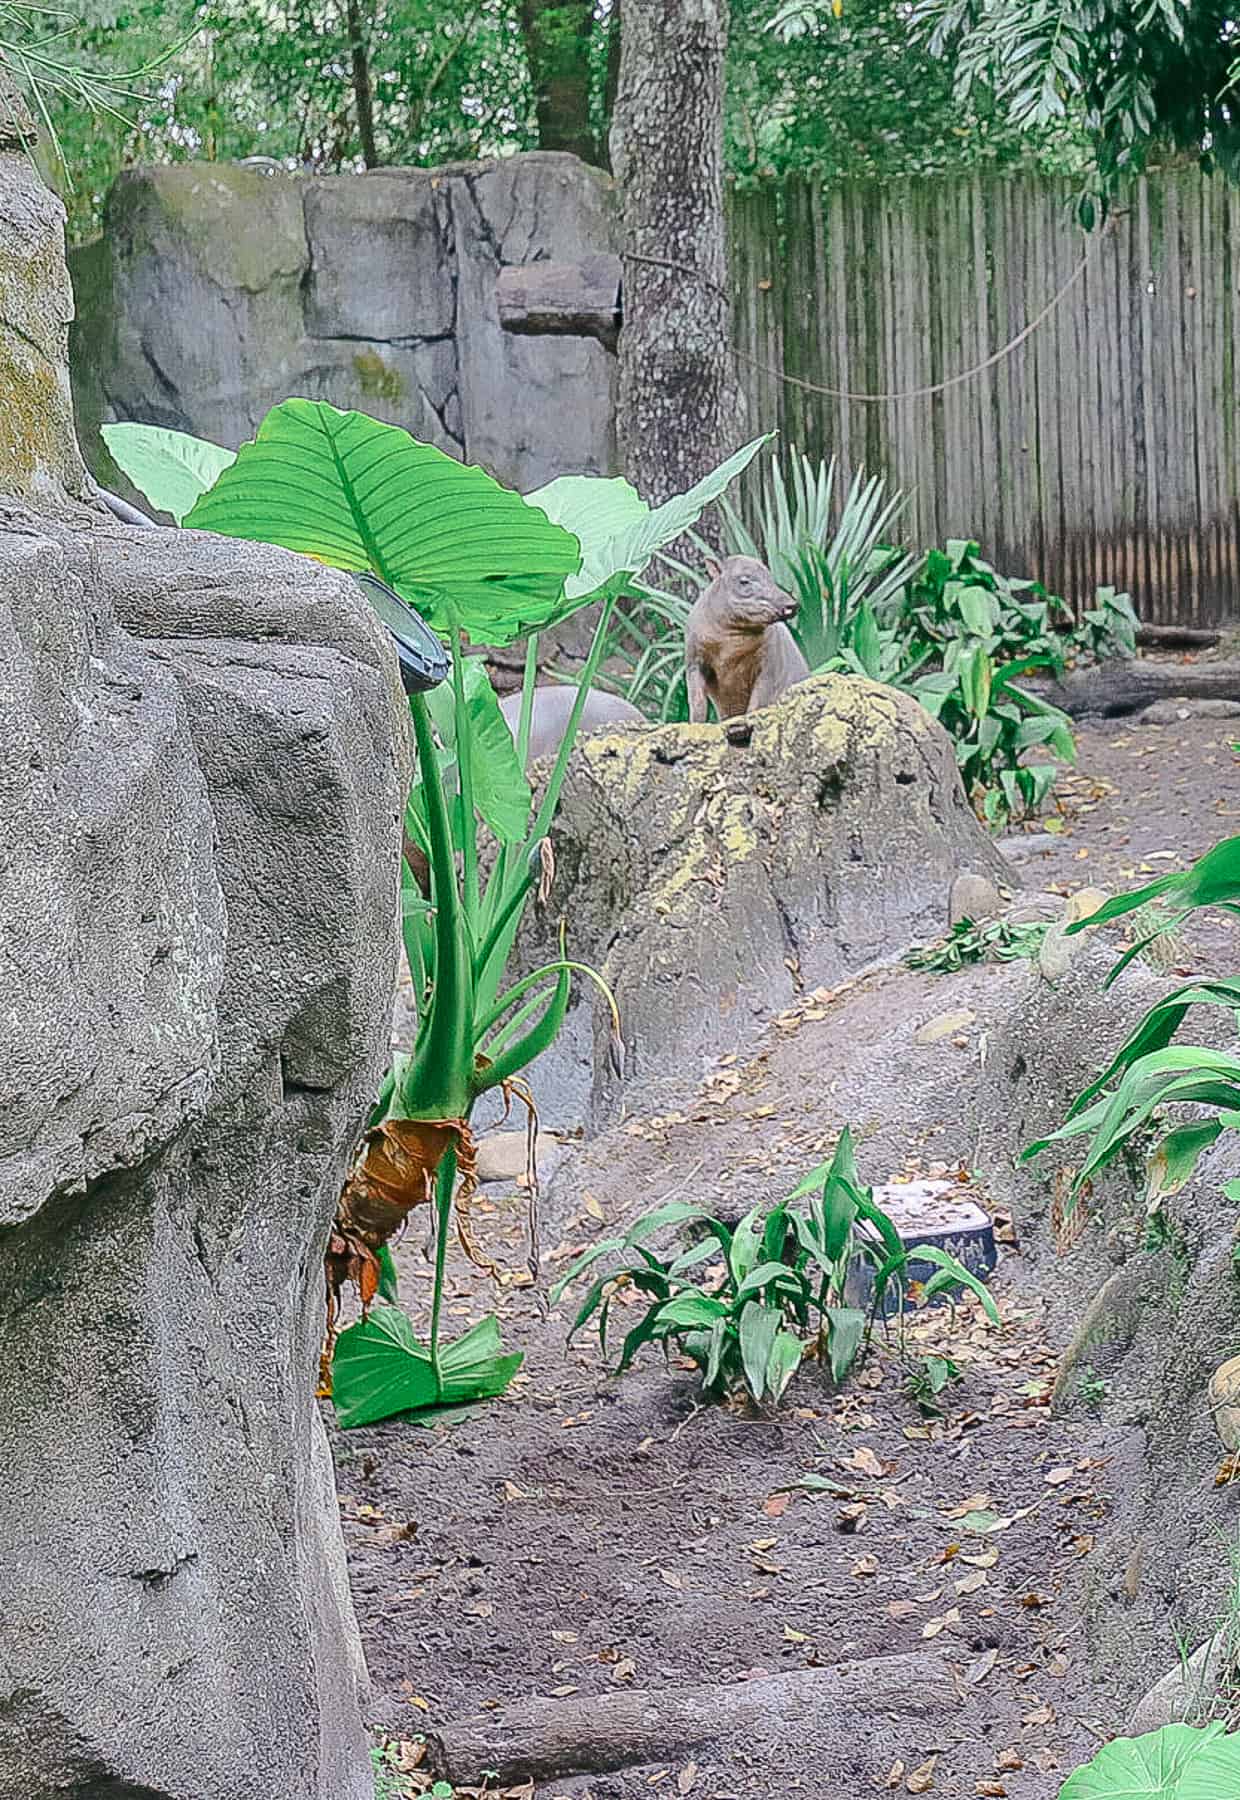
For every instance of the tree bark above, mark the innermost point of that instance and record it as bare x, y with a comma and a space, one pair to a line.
363, 96
611, 85
678, 406
557, 46
1112, 690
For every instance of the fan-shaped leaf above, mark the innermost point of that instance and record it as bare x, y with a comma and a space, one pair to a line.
618, 531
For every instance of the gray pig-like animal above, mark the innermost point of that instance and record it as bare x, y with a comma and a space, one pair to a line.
549, 717
739, 652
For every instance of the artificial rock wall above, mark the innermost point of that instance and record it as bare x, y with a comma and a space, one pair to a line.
203, 764
217, 290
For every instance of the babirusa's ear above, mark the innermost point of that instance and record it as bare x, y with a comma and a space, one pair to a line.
713, 569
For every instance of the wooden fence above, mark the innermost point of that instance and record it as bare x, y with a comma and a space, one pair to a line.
1103, 449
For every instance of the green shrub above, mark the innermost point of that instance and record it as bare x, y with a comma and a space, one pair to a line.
774, 1288
946, 627
480, 562
1150, 1072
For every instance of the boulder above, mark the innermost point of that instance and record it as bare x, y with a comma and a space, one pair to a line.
38, 449
217, 290
202, 765
713, 881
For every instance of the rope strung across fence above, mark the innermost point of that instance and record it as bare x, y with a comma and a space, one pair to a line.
939, 387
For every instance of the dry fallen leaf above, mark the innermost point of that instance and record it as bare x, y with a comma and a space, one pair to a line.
895, 1775
922, 1779
865, 1565
794, 1637
670, 1579
933, 1627
686, 1778
902, 1609
1057, 1477
991, 1790
979, 1670
776, 1505
1009, 1760
969, 1584
864, 1461
1041, 1715
970, 1503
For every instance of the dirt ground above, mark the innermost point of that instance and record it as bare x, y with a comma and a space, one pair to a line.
586, 1535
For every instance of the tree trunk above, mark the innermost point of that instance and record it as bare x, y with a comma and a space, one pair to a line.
557, 45
678, 407
363, 98
611, 85
1113, 690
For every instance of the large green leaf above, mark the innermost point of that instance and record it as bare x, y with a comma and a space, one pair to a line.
783, 1362
501, 791
1180, 1762
847, 1331
358, 495
380, 1368
759, 1328
172, 469
1213, 880
618, 532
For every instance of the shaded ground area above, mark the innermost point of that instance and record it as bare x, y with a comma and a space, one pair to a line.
585, 1536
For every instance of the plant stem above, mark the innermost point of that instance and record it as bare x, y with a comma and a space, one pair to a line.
465, 766
551, 798
528, 678
445, 1182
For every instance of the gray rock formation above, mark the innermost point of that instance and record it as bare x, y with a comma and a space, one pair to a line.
201, 771
217, 291
712, 881
38, 450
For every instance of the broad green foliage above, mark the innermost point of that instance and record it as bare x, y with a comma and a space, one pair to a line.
357, 494
1180, 1762
844, 91
1140, 74
748, 1304
171, 468
618, 532
381, 1369
852, 96
1150, 1071
365, 497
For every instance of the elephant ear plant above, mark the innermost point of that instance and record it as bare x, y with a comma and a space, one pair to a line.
482, 564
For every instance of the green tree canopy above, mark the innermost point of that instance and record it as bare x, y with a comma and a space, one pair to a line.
332, 85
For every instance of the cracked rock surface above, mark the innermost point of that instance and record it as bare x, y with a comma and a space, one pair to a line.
201, 773
713, 881
217, 291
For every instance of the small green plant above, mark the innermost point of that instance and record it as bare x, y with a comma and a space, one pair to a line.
1150, 1072
992, 941
1180, 1762
1092, 1388
927, 1379
745, 1305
